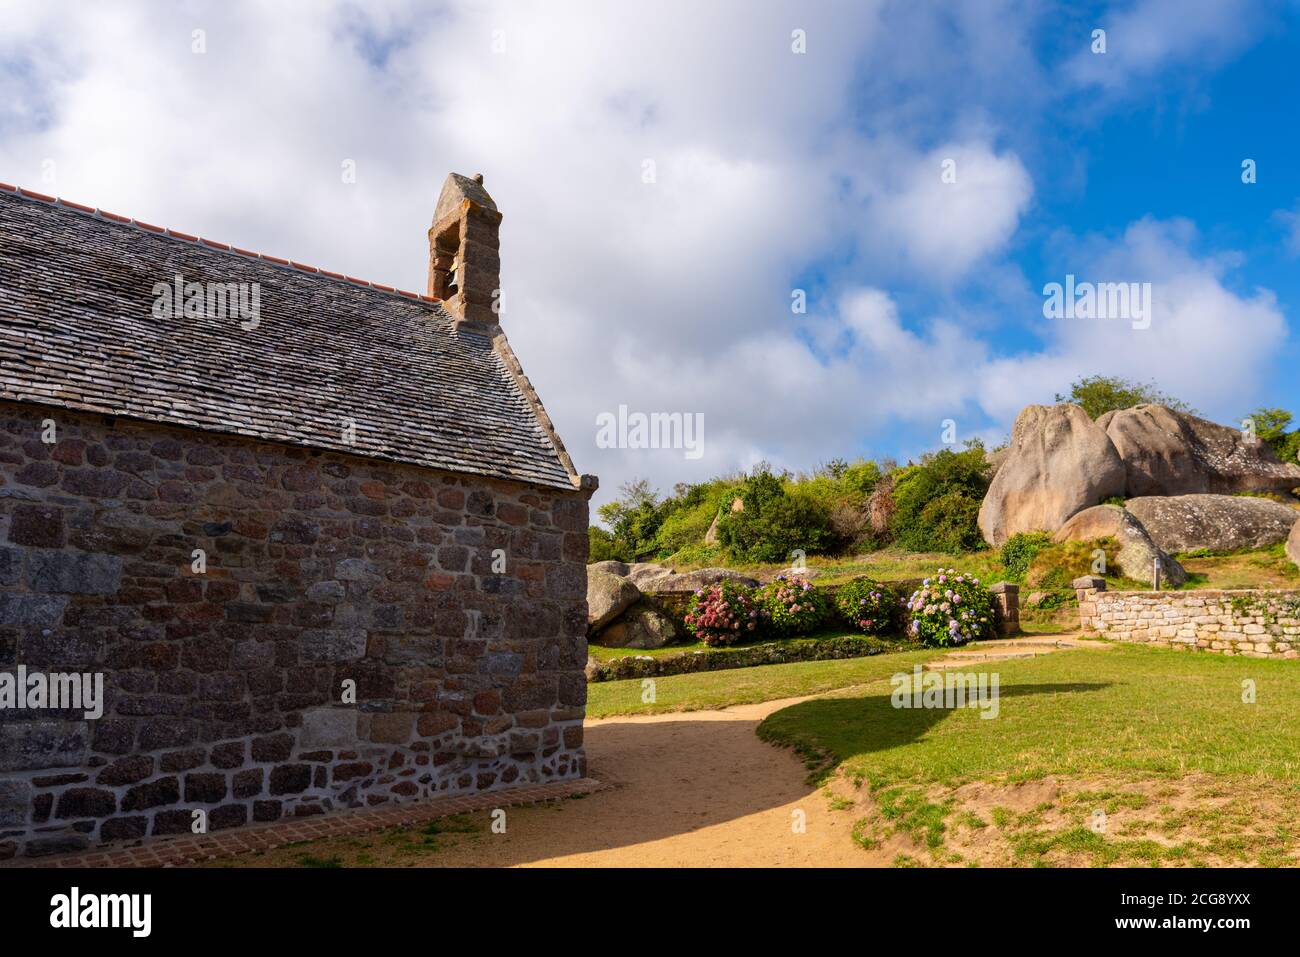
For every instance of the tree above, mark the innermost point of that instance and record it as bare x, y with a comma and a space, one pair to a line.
1270, 428
773, 522
937, 501
1101, 394
633, 519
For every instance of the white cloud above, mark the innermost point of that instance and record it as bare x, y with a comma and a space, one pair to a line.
1150, 36
671, 296
945, 227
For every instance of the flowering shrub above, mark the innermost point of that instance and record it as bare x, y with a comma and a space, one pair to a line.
792, 606
722, 614
951, 609
867, 606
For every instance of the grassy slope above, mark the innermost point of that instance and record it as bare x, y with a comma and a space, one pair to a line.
1263, 568
1130, 714
1127, 709
719, 689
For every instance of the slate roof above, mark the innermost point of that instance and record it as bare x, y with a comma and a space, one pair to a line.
77, 331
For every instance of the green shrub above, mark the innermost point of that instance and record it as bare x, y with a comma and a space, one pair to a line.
951, 608
723, 614
862, 477
685, 526
1100, 394
937, 502
791, 606
774, 522
868, 606
1019, 550
602, 546
1056, 566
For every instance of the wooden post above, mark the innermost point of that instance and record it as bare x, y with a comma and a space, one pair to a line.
1155, 574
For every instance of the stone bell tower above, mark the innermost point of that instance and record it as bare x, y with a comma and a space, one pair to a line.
465, 251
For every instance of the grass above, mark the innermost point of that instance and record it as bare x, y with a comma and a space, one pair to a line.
1116, 729
891, 564
1260, 568
602, 654
720, 689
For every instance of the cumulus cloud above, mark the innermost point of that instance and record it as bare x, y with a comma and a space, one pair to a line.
951, 207
1154, 35
665, 293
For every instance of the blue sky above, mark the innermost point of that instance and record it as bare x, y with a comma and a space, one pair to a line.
774, 171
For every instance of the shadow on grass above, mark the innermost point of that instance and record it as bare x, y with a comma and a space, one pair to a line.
827, 731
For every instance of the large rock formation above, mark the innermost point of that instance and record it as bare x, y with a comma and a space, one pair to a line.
1174, 453
1137, 552
644, 575
1182, 523
695, 580
608, 596
641, 627
649, 577
1058, 463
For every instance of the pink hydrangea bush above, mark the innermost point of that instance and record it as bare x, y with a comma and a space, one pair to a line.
868, 606
722, 614
792, 606
950, 608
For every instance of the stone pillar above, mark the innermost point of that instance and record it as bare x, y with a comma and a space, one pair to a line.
1086, 589
1006, 606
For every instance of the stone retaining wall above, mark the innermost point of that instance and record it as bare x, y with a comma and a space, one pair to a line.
1254, 623
349, 637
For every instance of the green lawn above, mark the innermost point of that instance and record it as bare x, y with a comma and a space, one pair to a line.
601, 653
718, 689
1260, 568
1129, 724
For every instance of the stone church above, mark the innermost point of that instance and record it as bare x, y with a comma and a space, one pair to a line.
315, 538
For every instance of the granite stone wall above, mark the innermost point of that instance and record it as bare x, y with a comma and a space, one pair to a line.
280, 631
1255, 624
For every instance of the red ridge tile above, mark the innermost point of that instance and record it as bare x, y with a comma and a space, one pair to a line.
68, 202
114, 217
274, 259
7, 188
177, 235
214, 244
304, 267
31, 194
149, 226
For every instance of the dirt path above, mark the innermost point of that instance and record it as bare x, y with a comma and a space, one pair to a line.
692, 789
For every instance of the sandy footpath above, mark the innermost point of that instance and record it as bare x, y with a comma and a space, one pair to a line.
693, 789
